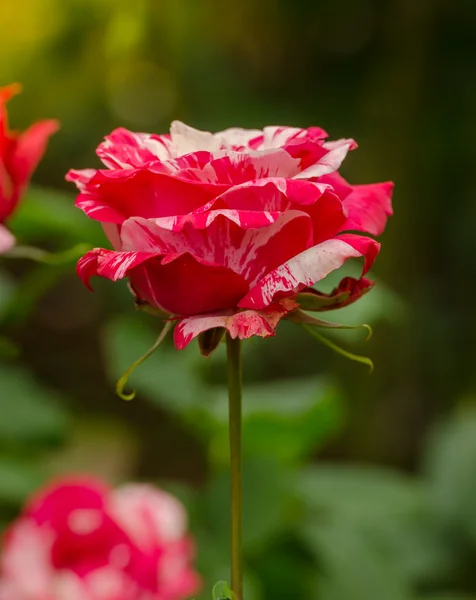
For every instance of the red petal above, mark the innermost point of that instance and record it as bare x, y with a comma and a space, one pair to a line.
109, 264
243, 325
185, 286
124, 149
250, 243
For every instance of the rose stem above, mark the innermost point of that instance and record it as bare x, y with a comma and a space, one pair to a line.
234, 418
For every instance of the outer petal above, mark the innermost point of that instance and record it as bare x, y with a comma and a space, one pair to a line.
29, 150
123, 149
179, 284
243, 325
308, 267
114, 196
368, 207
23, 153
109, 264
330, 161
6, 239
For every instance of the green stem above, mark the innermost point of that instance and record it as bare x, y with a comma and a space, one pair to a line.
234, 395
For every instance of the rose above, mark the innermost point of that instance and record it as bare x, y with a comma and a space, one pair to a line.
20, 154
79, 540
224, 230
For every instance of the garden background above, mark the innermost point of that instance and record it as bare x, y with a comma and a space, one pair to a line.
357, 487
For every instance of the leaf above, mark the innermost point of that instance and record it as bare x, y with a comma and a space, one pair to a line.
221, 591
18, 479
50, 214
284, 419
29, 412
450, 467
267, 501
125, 377
355, 357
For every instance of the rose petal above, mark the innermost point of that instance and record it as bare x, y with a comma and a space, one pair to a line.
348, 291
183, 286
330, 161
109, 264
308, 267
114, 196
250, 243
124, 149
243, 325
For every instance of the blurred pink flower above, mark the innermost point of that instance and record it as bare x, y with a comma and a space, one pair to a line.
80, 540
20, 154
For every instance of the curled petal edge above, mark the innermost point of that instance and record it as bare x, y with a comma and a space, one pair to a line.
242, 324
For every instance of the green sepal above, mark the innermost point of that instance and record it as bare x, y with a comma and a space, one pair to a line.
208, 341
121, 384
151, 310
330, 344
298, 316
222, 591
314, 301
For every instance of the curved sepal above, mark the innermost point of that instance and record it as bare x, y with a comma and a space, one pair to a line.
333, 346
348, 291
208, 341
121, 384
298, 316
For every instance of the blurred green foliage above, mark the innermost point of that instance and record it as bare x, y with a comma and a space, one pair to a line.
388, 510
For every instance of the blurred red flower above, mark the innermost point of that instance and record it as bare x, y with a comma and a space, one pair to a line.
79, 540
20, 154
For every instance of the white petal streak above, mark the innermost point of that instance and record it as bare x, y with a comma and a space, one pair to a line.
330, 162
303, 270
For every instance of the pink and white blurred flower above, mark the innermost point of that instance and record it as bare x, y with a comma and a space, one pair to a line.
80, 540
224, 231
20, 154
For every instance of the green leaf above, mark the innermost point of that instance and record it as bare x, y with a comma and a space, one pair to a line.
30, 413
221, 591
121, 384
18, 479
267, 504
284, 419
450, 467
355, 357
50, 214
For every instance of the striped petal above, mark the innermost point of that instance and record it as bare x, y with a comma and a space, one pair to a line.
250, 243
124, 149
242, 325
303, 270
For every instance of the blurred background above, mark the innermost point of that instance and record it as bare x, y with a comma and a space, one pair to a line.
357, 487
